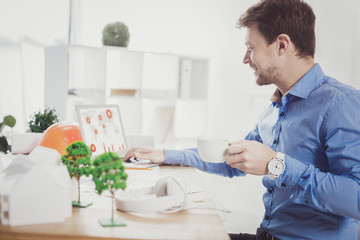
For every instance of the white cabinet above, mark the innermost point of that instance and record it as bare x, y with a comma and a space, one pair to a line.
161, 75
86, 68
124, 69
73, 75
146, 86
193, 79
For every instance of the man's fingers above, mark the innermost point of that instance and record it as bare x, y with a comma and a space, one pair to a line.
239, 166
140, 156
237, 148
129, 154
234, 159
238, 142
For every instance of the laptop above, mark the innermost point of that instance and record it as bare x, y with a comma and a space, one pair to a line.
102, 129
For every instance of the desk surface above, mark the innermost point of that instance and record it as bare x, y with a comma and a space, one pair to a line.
199, 221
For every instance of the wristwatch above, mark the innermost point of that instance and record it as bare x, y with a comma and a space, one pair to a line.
276, 166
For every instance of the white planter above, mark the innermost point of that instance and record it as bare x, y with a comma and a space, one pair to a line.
24, 143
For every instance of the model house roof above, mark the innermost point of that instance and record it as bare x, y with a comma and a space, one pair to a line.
44, 160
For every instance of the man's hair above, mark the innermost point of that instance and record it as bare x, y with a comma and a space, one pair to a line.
292, 17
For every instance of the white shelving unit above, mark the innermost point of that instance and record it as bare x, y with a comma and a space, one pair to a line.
146, 86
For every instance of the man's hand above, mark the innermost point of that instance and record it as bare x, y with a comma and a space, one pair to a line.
142, 153
251, 157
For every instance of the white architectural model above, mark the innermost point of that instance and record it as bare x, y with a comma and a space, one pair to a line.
34, 189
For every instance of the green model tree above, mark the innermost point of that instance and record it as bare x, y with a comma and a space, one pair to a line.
108, 174
78, 162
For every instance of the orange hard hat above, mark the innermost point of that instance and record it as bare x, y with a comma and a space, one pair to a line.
59, 135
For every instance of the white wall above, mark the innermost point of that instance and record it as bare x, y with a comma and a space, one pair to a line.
202, 27
338, 35
26, 27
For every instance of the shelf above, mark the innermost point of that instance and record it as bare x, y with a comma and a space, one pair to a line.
145, 85
124, 92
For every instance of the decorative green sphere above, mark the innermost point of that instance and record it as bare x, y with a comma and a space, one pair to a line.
116, 34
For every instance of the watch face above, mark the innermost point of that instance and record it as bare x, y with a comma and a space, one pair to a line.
276, 167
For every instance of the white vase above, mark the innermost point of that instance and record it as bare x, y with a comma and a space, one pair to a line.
24, 143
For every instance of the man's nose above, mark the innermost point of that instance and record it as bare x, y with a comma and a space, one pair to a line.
246, 59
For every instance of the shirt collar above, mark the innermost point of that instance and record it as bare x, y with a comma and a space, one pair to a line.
309, 82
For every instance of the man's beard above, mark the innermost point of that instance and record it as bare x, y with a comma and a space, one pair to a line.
269, 76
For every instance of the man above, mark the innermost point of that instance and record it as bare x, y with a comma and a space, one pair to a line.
306, 143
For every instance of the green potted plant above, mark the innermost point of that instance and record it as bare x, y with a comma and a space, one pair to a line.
7, 121
40, 121
109, 174
78, 162
25, 142
116, 34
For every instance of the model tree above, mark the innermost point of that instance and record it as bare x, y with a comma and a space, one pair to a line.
78, 162
108, 174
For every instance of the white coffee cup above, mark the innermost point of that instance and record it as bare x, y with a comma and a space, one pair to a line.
213, 150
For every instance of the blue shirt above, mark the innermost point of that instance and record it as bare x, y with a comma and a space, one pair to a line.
317, 126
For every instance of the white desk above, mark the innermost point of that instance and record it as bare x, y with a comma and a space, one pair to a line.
201, 221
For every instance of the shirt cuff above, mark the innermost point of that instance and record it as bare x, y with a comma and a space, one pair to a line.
173, 157
294, 169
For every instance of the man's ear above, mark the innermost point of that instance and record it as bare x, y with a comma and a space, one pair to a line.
283, 43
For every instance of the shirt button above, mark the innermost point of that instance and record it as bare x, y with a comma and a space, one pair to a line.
283, 185
282, 114
267, 217
275, 142
307, 201
270, 191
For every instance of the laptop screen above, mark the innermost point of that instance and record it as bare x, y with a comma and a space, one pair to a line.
101, 128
